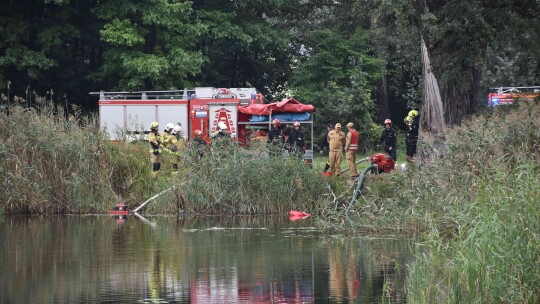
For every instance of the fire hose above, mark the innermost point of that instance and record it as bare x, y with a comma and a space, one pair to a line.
360, 184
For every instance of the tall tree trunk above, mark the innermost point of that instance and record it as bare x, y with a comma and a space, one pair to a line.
381, 91
381, 99
432, 121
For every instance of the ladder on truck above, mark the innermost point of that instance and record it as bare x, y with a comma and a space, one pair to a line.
145, 95
506, 90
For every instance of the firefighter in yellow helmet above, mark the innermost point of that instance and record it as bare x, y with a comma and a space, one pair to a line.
336, 140
412, 123
155, 147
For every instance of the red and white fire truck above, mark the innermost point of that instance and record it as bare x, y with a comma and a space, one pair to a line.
127, 115
510, 95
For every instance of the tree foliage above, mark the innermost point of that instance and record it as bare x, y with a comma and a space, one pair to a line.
330, 53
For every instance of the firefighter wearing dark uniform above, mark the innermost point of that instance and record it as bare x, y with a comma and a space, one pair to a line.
336, 139
155, 147
351, 146
295, 140
275, 138
389, 138
198, 145
412, 122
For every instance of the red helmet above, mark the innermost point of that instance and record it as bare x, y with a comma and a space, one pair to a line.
387, 121
296, 124
197, 132
276, 122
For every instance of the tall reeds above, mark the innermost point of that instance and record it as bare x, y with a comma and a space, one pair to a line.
230, 180
494, 254
53, 165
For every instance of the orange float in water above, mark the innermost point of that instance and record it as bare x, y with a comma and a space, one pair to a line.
298, 215
120, 209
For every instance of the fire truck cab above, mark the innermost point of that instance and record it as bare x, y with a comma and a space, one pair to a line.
509, 95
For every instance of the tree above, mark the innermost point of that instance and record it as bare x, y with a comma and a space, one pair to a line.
149, 44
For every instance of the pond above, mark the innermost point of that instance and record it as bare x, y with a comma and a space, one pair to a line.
100, 259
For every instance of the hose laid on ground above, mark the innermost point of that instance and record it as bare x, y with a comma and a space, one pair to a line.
360, 184
357, 162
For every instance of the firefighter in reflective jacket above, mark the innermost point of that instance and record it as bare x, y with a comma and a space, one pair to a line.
336, 139
177, 146
389, 138
351, 146
155, 147
167, 139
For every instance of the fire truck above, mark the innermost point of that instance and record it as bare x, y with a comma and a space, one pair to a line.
127, 115
510, 95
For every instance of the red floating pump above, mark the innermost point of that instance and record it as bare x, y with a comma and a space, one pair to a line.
384, 162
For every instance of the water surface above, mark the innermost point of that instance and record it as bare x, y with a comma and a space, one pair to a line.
102, 259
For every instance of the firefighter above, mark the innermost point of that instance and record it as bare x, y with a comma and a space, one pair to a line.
412, 122
221, 132
167, 139
177, 147
351, 146
275, 138
389, 138
198, 145
295, 141
325, 145
155, 147
336, 140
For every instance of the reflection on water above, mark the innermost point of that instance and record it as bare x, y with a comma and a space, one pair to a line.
77, 259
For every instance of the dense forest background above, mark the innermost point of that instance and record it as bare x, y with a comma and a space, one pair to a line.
360, 61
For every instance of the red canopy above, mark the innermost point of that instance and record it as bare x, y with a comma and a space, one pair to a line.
289, 105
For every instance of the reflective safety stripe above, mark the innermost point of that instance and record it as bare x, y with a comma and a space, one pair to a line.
354, 140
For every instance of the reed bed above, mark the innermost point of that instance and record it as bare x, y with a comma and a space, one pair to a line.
231, 180
56, 165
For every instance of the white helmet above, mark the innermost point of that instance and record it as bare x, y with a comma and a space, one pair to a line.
169, 127
221, 125
176, 130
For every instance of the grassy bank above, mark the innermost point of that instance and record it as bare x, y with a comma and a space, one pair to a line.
477, 207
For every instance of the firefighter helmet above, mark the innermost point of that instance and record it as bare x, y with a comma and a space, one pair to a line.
276, 122
413, 113
197, 132
387, 121
154, 125
221, 125
176, 130
169, 127
296, 124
